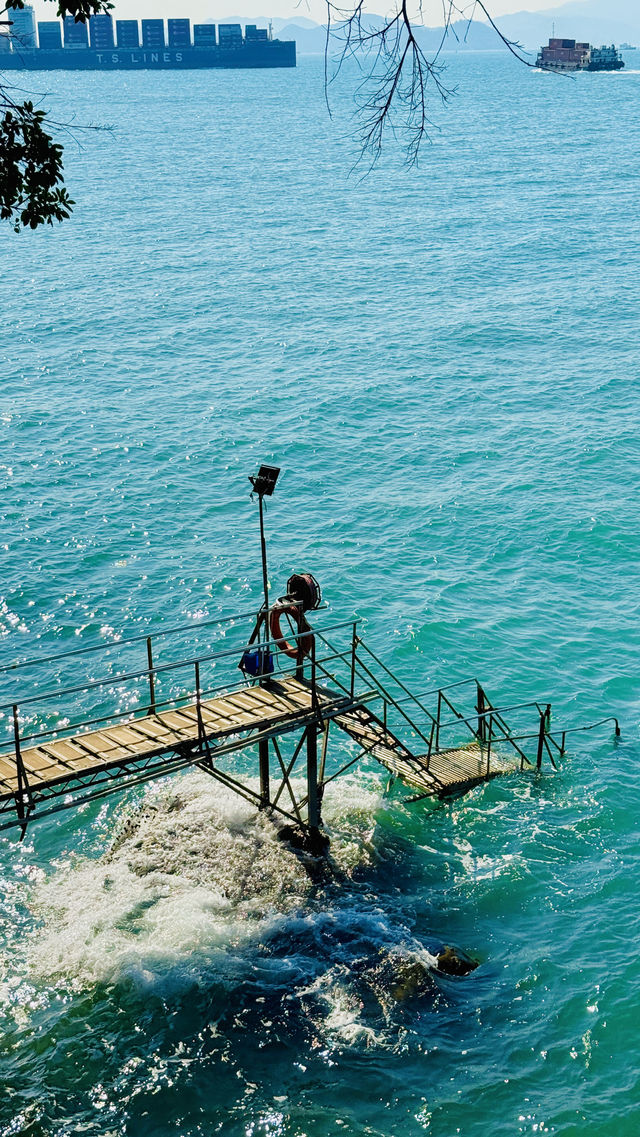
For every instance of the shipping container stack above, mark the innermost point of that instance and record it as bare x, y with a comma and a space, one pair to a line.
253, 34
229, 35
50, 35
204, 35
128, 34
564, 55
153, 34
179, 33
101, 32
75, 35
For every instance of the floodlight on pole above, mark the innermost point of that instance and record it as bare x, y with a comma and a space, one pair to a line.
263, 483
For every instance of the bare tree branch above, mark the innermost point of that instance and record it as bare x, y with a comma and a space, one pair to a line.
401, 77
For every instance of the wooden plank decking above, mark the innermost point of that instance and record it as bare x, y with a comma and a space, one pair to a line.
114, 756
52, 763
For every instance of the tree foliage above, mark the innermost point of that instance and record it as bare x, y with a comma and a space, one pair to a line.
31, 183
32, 190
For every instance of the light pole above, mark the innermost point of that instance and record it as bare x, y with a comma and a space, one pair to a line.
263, 483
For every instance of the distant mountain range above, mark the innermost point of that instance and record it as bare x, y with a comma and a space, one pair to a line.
596, 21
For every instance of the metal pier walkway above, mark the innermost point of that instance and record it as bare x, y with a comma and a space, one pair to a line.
154, 742
181, 721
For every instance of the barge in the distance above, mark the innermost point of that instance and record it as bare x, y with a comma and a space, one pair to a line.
570, 55
99, 46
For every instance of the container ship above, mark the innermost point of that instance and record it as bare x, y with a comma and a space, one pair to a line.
569, 55
102, 44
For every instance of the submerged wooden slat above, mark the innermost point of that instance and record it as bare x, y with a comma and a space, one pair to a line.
443, 771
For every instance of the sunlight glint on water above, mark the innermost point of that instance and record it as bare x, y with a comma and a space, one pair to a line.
444, 363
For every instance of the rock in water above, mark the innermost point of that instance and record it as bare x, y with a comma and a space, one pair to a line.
454, 962
412, 980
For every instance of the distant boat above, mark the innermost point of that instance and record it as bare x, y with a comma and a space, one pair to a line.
627, 47
97, 46
570, 55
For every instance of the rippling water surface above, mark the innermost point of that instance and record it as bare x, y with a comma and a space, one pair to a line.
444, 363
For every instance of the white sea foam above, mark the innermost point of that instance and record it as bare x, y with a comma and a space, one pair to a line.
359, 1002
191, 878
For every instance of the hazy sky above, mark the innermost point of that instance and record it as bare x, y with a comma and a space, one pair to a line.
198, 10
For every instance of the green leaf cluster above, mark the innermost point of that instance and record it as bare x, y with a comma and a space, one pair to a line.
81, 10
32, 191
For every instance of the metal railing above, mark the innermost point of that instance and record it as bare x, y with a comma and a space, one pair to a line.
348, 671
486, 724
150, 676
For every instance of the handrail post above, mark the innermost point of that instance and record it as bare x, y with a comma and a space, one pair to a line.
438, 720
198, 707
203, 741
541, 734
354, 645
314, 690
489, 738
300, 653
23, 785
480, 707
152, 691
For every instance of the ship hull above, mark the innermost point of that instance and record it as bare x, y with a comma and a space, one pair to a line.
275, 53
550, 65
616, 66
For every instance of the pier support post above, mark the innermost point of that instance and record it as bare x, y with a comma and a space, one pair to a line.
541, 733
481, 708
263, 757
313, 807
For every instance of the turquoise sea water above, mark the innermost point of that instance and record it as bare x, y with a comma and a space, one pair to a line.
444, 363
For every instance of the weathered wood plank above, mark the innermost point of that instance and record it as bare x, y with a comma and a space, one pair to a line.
127, 744
62, 749
8, 774
83, 761
179, 725
36, 760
